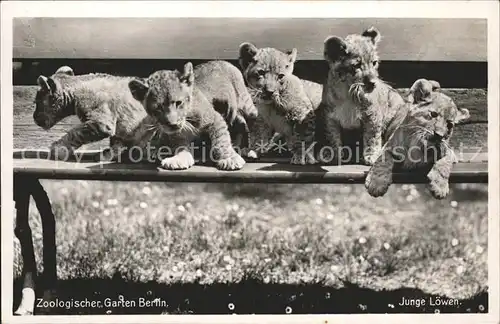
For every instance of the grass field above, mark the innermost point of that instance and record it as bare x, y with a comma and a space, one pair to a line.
263, 248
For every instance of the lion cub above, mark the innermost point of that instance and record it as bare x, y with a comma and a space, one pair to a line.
285, 103
223, 85
102, 102
354, 97
418, 139
184, 112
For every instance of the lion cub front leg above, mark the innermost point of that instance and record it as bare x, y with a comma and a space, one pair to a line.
379, 177
259, 138
439, 175
303, 144
331, 152
372, 142
182, 158
222, 150
88, 132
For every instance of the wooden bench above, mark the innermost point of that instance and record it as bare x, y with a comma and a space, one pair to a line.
30, 141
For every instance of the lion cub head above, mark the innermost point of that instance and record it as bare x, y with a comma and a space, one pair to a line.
433, 114
265, 68
50, 101
166, 95
354, 60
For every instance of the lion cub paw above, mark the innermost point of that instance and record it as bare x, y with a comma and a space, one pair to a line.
303, 158
377, 183
438, 186
234, 162
369, 159
181, 161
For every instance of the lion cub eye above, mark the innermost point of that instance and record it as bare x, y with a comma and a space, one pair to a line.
434, 114
261, 72
449, 124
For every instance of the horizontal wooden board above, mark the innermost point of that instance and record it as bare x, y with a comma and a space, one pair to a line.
415, 39
251, 173
470, 137
399, 74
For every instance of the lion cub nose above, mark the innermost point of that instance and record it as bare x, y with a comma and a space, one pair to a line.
368, 82
438, 135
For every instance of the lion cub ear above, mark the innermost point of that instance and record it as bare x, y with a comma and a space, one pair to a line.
334, 48
421, 90
47, 84
373, 34
247, 52
462, 115
435, 85
292, 55
188, 74
65, 70
139, 88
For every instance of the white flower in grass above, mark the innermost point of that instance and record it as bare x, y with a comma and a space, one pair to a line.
199, 273
143, 205
454, 242
112, 202
362, 240
387, 246
181, 208
409, 198
318, 201
98, 193
106, 212
228, 267
460, 269
479, 249
146, 191
95, 204
405, 187
329, 216
454, 204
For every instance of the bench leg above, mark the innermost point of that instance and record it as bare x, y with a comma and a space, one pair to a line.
23, 189
49, 234
23, 233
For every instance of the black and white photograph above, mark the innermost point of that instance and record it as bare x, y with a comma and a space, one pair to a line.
232, 162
